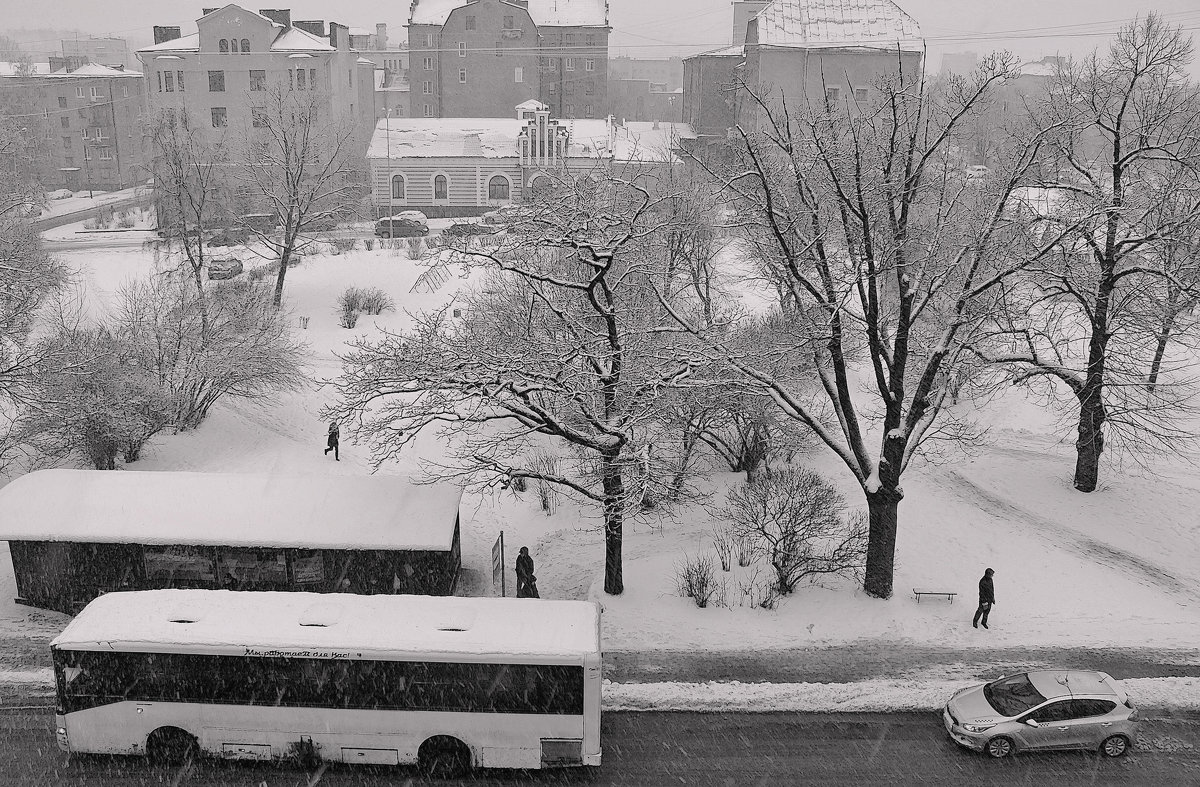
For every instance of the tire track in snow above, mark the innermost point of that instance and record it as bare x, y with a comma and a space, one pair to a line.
1137, 568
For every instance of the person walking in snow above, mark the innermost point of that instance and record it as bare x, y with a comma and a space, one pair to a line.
332, 441
526, 581
987, 597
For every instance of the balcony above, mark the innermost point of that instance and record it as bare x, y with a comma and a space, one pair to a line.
511, 33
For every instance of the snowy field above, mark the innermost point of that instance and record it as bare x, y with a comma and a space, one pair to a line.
1114, 569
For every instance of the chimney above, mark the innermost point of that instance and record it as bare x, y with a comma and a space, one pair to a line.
207, 11
339, 37
164, 34
381, 36
280, 16
315, 26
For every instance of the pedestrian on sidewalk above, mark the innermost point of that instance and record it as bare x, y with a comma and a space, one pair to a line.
331, 443
526, 581
987, 597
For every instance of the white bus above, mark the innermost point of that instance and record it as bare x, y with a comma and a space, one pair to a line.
448, 683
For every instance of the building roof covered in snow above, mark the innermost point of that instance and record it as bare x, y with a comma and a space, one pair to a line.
95, 70
229, 509
323, 625
837, 23
493, 138
552, 13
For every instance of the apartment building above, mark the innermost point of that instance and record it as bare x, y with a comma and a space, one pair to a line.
479, 58
217, 73
86, 122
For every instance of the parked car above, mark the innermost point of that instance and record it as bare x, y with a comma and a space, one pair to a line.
509, 214
224, 268
466, 228
977, 172
1043, 709
59, 194
321, 224
412, 225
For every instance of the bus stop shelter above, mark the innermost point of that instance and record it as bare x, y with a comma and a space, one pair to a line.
75, 534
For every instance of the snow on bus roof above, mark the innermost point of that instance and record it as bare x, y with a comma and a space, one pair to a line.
333, 625
229, 509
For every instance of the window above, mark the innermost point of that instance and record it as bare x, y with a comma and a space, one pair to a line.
509, 23
518, 74
245, 45
258, 117
569, 64
860, 94
1082, 709
233, 47
427, 62
440, 187
223, 45
427, 88
552, 64
160, 81
568, 39
79, 92
570, 109
1055, 711
498, 188
553, 88
251, 569
587, 110
106, 154
428, 110
591, 39
70, 160
169, 82
589, 88
312, 79
219, 118
429, 39
301, 79
124, 91
462, 76
216, 81
832, 94
397, 187
67, 142
87, 153
179, 79
589, 64
258, 80
96, 94
65, 122
499, 48
62, 101
469, 24
97, 132
462, 48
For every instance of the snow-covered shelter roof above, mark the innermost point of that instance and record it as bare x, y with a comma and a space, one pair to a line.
837, 23
229, 509
492, 138
553, 13
337, 625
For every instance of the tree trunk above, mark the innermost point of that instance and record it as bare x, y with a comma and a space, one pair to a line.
279, 277
882, 509
1160, 349
614, 493
1090, 444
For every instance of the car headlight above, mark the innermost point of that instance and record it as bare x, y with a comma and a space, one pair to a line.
977, 727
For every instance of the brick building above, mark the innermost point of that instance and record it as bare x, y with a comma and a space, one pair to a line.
86, 120
215, 73
479, 58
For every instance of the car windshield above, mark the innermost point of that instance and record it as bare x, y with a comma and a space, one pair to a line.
1012, 696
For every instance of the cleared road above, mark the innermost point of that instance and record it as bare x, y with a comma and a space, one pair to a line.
655, 749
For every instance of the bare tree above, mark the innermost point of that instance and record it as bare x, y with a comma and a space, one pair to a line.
192, 190
564, 340
885, 261
1127, 131
298, 163
799, 520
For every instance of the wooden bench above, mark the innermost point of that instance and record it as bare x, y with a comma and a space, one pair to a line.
947, 593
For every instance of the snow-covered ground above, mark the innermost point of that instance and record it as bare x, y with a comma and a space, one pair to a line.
1114, 569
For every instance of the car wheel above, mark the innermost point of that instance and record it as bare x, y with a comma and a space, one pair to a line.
1114, 746
444, 757
385, 234
999, 747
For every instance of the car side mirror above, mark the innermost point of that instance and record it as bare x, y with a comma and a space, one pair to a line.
1032, 722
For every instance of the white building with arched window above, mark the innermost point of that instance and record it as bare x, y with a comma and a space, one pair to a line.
467, 166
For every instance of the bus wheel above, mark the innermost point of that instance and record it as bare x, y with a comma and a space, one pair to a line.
444, 757
170, 746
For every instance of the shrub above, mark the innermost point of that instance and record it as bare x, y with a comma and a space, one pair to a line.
342, 245
545, 463
695, 578
350, 300
796, 518
723, 543
373, 300
370, 244
90, 224
414, 246
125, 221
348, 318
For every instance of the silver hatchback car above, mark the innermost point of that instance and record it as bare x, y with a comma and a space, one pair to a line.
1041, 710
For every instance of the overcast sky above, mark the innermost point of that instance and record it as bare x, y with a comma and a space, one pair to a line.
656, 28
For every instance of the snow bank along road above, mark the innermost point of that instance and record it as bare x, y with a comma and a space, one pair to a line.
655, 749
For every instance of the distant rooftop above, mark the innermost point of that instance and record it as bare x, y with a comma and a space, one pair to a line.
554, 13
837, 23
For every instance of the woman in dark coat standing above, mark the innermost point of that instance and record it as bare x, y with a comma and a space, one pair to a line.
987, 597
331, 443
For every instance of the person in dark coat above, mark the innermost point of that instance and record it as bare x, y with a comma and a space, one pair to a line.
987, 597
526, 581
332, 441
